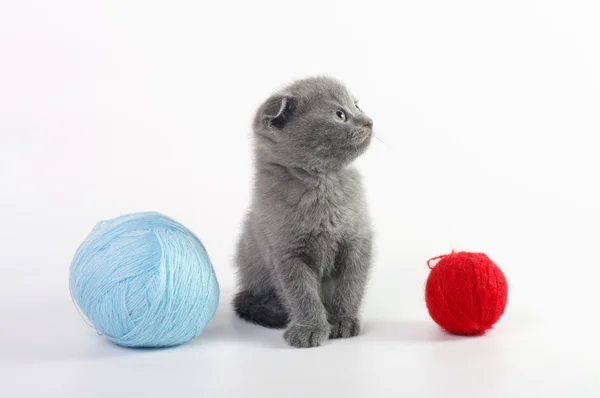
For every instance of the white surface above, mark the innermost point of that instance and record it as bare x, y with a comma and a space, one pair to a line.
489, 114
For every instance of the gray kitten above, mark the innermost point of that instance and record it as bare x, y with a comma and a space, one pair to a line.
305, 250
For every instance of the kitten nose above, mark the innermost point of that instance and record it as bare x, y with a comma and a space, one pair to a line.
368, 123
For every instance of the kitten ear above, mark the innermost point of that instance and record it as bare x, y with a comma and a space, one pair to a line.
278, 110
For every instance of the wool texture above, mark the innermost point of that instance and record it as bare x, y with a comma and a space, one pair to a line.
465, 293
144, 280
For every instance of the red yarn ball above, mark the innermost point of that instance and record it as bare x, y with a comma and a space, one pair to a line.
465, 293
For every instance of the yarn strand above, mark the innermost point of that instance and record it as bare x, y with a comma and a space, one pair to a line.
434, 259
438, 258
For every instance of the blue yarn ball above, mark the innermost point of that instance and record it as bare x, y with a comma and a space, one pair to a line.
144, 280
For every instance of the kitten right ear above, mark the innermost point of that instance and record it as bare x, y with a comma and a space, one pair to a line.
278, 110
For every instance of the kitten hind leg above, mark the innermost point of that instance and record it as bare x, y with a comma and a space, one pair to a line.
256, 301
264, 309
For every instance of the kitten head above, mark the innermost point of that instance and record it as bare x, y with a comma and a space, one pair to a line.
314, 124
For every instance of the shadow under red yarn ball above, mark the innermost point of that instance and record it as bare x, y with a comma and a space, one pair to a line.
465, 292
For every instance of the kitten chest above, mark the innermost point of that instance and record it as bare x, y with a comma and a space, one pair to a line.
326, 220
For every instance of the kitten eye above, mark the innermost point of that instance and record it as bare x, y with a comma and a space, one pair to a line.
357, 107
341, 115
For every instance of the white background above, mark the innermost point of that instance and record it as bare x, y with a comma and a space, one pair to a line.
488, 115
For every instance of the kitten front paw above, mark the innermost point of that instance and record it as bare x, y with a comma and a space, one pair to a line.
306, 336
342, 328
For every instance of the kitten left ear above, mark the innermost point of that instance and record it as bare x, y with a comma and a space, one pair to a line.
278, 110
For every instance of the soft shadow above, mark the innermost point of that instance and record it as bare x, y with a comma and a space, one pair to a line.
50, 330
35, 330
226, 327
405, 331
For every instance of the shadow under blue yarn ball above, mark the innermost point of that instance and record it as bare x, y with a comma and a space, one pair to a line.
144, 280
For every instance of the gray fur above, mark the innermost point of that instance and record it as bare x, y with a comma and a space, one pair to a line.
305, 250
